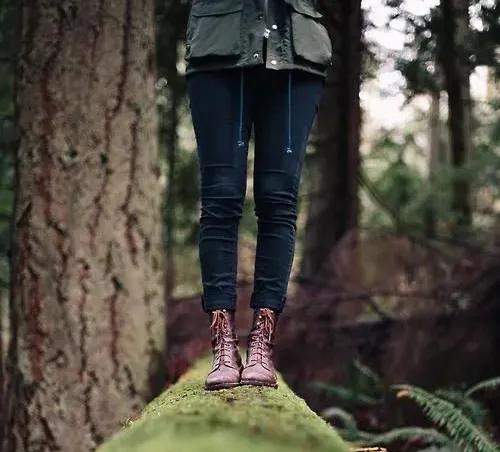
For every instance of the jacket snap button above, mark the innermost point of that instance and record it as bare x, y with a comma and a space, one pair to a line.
256, 55
273, 61
274, 27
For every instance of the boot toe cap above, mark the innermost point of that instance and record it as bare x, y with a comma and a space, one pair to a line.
224, 377
257, 374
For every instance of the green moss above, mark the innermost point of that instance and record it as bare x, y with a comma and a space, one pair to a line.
187, 418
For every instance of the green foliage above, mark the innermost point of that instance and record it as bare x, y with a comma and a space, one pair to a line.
420, 62
186, 188
439, 449
426, 435
464, 433
427, 208
460, 421
398, 190
350, 396
8, 37
420, 68
492, 383
472, 409
365, 388
484, 38
398, 193
485, 162
349, 427
350, 432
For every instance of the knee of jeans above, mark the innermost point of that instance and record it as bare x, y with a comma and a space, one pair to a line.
222, 202
275, 197
276, 205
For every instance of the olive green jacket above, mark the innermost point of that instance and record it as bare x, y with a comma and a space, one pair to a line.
236, 33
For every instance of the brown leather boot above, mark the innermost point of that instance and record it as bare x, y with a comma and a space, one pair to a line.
226, 368
259, 368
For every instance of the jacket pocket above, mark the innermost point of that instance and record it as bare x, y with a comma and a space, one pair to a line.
214, 29
311, 40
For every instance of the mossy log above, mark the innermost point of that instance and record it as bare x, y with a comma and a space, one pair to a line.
187, 418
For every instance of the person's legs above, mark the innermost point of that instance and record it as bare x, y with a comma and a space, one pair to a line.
220, 108
285, 106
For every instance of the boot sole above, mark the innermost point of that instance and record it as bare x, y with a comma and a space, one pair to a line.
258, 383
221, 386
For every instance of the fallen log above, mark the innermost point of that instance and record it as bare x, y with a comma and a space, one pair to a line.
187, 418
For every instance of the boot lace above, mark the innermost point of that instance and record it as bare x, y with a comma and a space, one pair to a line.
223, 340
260, 338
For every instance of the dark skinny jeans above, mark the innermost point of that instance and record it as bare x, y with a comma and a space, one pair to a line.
225, 104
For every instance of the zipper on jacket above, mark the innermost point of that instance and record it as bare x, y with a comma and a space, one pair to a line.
267, 30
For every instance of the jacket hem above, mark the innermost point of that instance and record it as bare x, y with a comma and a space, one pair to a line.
211, 67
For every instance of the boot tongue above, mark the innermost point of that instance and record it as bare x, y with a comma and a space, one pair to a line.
219, 322
265, 322
220, 329
261, 336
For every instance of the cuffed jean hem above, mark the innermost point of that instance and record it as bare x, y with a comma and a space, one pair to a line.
267, 302
228, 303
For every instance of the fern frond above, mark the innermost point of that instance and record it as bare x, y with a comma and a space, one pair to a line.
492, 383
439, 449
429, 435
349, 425
368, 373
344, 416
473, 409
345, 394
443, 413
350, 432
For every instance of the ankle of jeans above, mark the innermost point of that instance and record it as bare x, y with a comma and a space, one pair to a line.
258, 301
211, 302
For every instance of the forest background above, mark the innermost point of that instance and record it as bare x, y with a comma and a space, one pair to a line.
397, 271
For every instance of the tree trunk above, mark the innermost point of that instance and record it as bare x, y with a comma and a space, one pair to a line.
333, 204
87, 304
435, 160
456, 68
171, 32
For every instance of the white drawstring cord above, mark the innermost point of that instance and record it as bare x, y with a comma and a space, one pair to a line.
289, 144
242, 86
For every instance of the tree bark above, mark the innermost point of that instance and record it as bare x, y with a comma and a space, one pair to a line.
87, 299
457, 69
334, 204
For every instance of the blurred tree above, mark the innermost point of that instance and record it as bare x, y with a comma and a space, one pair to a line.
423, 75
333, 204
9, 46
171, 25
440, 56
456, 63
87, 301
435, 160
